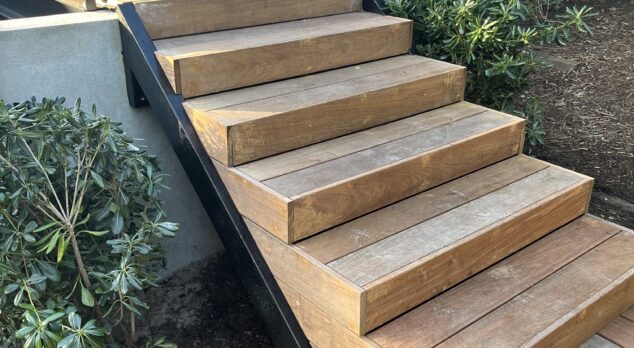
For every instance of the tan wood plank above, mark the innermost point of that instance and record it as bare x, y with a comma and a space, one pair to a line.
433, 322
275, 166
368, 229
342, 168
274, 89
390, 254
620, 331
597, 341
299, 271
557, 303
169, 18
400, 291
319, 210
286, 122
216, 70
84, 5
251, 198
629, 314
320, 328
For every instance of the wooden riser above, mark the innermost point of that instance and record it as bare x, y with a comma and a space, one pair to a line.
618, 333
556, 292
219, 61
252, 123
365, 171
371, 270
170, 18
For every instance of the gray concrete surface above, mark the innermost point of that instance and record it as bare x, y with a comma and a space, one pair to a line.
79, 55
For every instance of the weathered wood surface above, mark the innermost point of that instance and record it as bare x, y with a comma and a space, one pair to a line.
170, 18
451, 312
337, 190
84, 5
252, 123
620, 331
564, 308
220, 61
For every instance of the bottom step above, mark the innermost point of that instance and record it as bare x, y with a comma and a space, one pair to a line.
617, 334
558, 292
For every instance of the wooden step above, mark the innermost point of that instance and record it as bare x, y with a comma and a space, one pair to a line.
252, 123
557, 292
219, 61
618, 333
300, 193
170, 18
372, 269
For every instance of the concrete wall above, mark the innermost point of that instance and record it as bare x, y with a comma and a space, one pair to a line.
79, 55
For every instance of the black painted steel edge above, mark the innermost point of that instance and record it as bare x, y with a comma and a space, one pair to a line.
144, 71
376, 6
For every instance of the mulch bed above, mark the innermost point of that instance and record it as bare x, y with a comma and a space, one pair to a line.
589, 112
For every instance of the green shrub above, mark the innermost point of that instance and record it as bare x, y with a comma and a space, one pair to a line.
80, 222
492, 38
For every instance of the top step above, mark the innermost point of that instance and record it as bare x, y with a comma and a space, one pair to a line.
170, 18
213, 62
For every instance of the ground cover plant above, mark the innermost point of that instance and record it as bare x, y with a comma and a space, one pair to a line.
80, 225
494, 39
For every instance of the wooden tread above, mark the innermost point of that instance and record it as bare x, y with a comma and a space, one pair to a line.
556, 292
170, 18
219, 61
297, 194
252, 123
372, 269
619, 333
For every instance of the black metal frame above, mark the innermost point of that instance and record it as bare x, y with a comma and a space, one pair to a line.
147, 85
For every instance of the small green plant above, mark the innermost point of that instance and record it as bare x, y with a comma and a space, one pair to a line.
80, 224
493, 39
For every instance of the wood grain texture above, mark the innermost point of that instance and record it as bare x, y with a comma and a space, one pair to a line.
309, 277
400, 291
257, 202
563, 308
371, 228
309, 156
221, 61
320, 328
433, 322
629, 314
84, 5
345, 200
169, 18
262, 127
395, 252
620, 331
597, 341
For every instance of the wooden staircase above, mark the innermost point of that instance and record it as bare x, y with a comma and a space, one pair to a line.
391, 212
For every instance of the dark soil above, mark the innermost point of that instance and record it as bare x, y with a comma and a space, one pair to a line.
589, 112
204, 305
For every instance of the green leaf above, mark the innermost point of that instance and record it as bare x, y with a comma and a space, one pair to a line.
117, 224
11, 288
45, 227
61, 249
98, 179
86, 297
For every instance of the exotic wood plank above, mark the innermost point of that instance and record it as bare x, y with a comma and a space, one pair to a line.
270, 124
371, 228
320, 328
364, 191
581, 293
620, 331
309, 277
433, 322
597, 341
220, 61
407, 287
309, 156
340, 202
169, 18
395, 252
